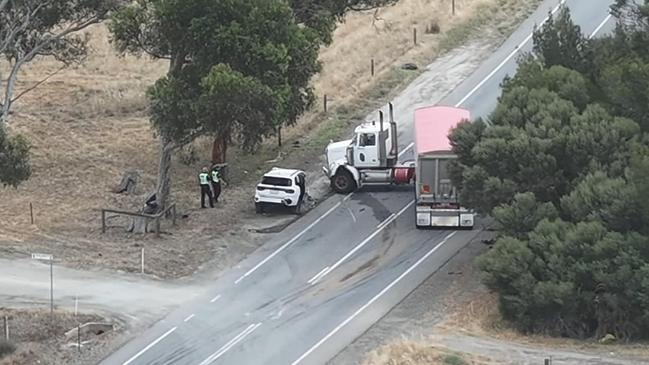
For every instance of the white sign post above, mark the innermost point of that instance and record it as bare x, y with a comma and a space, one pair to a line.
50, 258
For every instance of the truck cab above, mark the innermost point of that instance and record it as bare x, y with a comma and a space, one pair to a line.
368, 158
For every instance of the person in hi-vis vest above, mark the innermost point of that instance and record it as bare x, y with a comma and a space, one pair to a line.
204, 180
216, 184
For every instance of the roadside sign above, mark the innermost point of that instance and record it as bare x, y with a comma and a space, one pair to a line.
50, 258
42, 256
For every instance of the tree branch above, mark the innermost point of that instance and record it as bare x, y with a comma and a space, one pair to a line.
39, 83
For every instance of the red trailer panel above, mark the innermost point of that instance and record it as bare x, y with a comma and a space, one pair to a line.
437, 199
432, 126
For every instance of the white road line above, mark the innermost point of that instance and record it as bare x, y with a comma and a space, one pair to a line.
406, 149
238, 338
215, 298
188, 318
384, 221
509, 57
149, 346
495, 70
600, 26
374, 299
383, 224
318, 275
284, 246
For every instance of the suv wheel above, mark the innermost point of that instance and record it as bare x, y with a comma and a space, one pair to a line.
297, 209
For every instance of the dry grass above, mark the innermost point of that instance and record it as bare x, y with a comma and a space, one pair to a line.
420, 353
386, 37
88, 125
40, 338
480, 317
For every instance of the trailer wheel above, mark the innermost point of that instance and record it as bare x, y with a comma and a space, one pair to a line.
343, 182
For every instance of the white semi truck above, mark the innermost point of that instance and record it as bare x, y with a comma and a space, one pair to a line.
371, 158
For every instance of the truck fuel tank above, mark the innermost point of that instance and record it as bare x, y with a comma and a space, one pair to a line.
376, 176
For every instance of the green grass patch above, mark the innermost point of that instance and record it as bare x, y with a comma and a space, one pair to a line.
454, 360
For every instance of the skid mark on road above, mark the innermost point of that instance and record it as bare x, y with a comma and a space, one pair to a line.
238, 338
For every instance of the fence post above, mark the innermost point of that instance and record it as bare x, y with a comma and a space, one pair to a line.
31, 212
324, 102
453, 6
414, 36
372, 67
103, 221
6, 327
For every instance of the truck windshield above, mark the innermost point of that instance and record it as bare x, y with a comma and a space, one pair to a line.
277, 181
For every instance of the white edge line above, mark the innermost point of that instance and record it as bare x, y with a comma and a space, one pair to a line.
374, 299
318, 275
215, 298
149, 346
385, 221
188, 318
364, 242
600, 26
509, 57
227, 345
238, 338
290, 241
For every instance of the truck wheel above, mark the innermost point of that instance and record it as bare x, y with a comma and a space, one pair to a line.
343, 182
259, 208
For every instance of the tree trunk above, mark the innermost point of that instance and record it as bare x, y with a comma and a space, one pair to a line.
163, 189
157, 201
219, 149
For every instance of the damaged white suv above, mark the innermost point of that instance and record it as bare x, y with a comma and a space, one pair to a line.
283, 187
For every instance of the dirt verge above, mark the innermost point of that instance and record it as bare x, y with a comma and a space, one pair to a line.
42, 338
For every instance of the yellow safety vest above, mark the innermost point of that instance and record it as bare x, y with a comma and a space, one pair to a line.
203, 176
215, 176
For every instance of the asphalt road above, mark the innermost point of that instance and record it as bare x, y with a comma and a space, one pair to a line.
321, 283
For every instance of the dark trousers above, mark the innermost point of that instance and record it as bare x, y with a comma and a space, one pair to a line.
216, 186
205, 191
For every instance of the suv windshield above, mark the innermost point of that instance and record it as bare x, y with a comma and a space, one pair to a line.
277, 181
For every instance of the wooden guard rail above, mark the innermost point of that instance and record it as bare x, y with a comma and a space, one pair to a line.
155, 217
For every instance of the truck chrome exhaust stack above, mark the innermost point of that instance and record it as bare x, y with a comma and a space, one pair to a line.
394, 151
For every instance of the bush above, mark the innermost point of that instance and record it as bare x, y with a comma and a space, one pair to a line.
6, 348
454, 360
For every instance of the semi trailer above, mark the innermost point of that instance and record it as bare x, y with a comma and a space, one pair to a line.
437, 200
